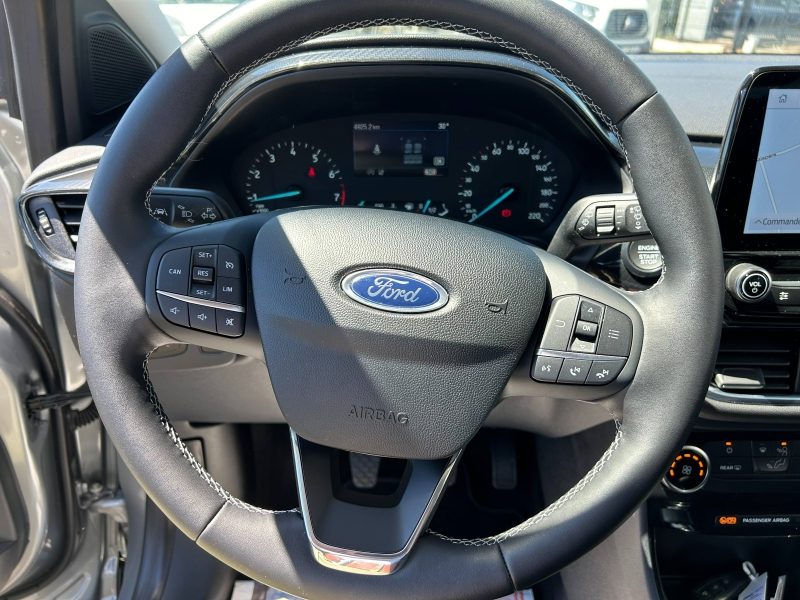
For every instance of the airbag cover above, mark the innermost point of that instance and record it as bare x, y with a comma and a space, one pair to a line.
375, 381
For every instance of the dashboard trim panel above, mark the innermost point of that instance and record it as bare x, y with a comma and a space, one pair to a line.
391, 55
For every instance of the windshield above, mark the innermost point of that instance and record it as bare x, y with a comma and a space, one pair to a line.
636, 26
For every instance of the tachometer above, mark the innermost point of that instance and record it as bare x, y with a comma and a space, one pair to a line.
292, 173
511, 185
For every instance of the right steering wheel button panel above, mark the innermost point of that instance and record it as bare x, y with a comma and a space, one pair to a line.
584, 343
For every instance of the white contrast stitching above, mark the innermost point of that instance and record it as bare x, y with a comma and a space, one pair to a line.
445, 25
496, 539
176, 439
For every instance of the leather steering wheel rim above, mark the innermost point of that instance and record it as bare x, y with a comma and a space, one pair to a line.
682, 314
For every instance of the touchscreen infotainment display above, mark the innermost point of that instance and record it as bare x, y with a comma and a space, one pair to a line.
757, 184
774, 206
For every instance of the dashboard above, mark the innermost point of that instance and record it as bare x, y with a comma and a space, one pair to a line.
483, 146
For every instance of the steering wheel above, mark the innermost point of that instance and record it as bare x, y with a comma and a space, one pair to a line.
371, 379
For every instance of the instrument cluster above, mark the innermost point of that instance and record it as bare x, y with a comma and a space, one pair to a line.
478, 171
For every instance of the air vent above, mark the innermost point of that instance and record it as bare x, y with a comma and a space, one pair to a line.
118, 67
758, 361
70, 209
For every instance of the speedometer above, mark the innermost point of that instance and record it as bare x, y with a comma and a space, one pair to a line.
511, 185
292, 173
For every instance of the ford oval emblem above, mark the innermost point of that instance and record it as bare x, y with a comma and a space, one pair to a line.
394, 290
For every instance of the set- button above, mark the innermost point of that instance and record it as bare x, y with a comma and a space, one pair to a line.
203, 287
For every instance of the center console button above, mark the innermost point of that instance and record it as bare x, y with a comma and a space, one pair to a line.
728, 448
574, 371
772, 465
785, 296
173, 272
202, 318
616, 334
772, 448
735, 465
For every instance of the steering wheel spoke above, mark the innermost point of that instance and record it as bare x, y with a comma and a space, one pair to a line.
363, 514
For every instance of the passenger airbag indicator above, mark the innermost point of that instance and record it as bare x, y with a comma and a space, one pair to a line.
758, 520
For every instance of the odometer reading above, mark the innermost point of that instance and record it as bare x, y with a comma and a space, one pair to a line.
511, 185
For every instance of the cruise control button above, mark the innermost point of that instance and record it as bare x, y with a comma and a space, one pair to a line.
586, 329
772, 465
202, 318
604, 371
203, 274
229, 263
173, 272
558, 331
574, 371
230, 323
230, 291
591, 312
204, 256
202, 290
175, 311
616, 334
546, 368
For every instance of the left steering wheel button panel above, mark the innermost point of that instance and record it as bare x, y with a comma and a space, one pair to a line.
173, 272
192, 292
